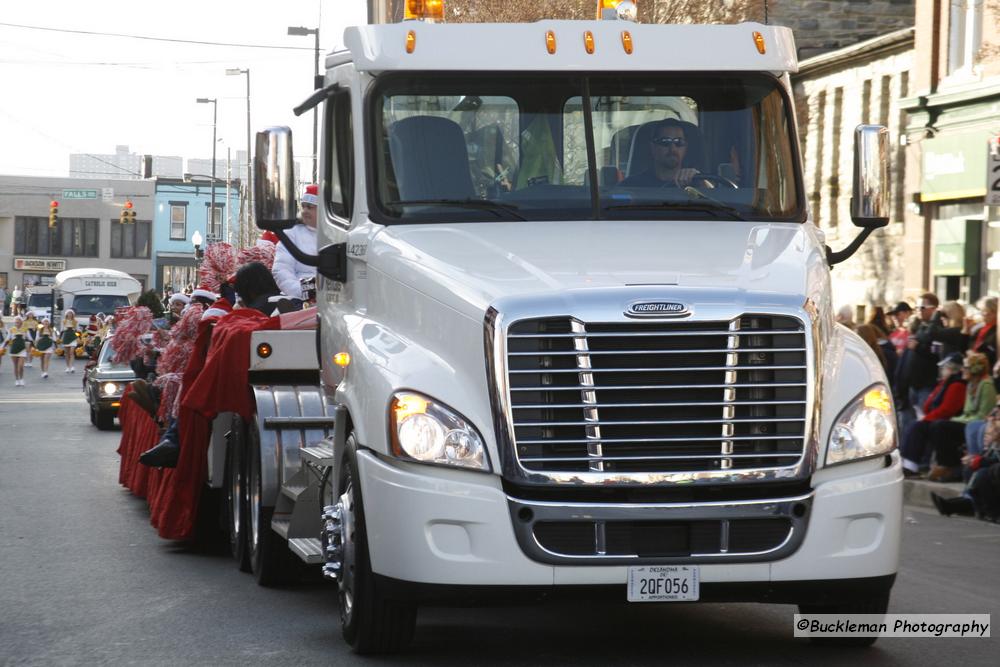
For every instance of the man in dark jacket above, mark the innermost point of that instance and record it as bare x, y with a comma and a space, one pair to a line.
918, 368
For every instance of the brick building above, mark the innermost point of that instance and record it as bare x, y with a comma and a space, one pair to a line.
952, 238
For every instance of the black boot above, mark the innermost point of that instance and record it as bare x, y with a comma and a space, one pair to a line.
948, 506
164, 455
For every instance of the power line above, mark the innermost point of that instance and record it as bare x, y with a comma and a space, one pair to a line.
154, 39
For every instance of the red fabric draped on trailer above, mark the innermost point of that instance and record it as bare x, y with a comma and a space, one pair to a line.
215, 380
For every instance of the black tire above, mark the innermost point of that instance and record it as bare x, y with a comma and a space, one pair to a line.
236, 503
370, 622
271, 561
876, 604
104, 419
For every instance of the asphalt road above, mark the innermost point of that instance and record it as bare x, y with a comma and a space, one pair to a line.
85, 580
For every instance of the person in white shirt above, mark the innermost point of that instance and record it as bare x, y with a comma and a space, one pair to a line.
287, 270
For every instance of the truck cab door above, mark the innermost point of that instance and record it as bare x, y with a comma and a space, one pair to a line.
342, 222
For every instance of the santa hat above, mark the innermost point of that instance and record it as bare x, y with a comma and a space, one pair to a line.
204, 293
268, 237
180, 296
219, 308
312, 195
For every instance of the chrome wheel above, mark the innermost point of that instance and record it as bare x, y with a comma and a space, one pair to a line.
348, 570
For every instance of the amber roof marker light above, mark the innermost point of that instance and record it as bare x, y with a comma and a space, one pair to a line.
758, 40
627, 41
550, 41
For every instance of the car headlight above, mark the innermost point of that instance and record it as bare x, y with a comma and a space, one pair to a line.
110, 388
427, 431
866, 427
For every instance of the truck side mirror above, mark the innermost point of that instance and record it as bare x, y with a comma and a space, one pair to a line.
870, 197
274, 180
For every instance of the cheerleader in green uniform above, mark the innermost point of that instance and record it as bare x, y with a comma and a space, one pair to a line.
31, 329
45, 345
3, 341
68, 340
17, 349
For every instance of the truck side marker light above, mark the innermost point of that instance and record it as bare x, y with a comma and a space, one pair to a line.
550, 41
411, 41
264, 350
588, 41
342, 359
627, 41
116, 405
407, 405
758, 40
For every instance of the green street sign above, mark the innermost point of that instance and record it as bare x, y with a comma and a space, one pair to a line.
79, 194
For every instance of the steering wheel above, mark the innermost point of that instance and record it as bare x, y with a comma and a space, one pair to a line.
712, 178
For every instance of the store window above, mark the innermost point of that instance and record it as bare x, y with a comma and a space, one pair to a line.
130, 240
966, 35
71, 237
178, 221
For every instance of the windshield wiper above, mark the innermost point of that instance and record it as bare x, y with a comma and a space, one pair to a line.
482, 204
708, 205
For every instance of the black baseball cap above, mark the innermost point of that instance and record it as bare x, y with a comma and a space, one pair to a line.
901, 307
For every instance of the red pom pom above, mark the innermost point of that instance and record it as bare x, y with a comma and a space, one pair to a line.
219, 263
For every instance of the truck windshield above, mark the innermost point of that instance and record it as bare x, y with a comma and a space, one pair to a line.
40, 301
556, 147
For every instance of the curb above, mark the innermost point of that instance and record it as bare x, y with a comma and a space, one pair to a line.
918, 492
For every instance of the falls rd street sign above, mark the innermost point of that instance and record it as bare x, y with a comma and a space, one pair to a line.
79, 194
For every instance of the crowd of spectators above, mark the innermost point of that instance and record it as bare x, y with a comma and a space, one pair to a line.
941, 363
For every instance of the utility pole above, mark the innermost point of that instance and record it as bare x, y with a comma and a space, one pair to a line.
248, 211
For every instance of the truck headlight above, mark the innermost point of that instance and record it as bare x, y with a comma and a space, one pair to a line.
866, 427
427, 431
109, 388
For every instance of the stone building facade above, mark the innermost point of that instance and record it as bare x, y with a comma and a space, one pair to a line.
827, 25
835, 92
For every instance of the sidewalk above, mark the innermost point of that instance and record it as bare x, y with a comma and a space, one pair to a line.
918, 491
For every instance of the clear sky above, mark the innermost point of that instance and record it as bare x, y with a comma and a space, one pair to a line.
62, 92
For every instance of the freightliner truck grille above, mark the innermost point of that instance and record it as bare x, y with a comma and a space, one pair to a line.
657, 397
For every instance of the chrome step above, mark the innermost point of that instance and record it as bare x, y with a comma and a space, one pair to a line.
309, 549
318, 455
278, 423
293, 491
281, 526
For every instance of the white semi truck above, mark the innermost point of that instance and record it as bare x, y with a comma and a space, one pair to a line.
575, 334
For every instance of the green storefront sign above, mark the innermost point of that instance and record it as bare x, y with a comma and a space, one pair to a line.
954, 166
956, 247
79, 194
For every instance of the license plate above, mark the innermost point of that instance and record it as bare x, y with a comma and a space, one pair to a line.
662, 583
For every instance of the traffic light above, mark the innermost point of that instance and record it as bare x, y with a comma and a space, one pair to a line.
53, 213
128, 213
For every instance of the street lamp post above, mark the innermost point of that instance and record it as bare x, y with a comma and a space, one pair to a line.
249, 207
303, 32
196, 242
215, 108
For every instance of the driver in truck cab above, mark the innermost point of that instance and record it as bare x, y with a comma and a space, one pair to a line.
669, 144
288, 271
